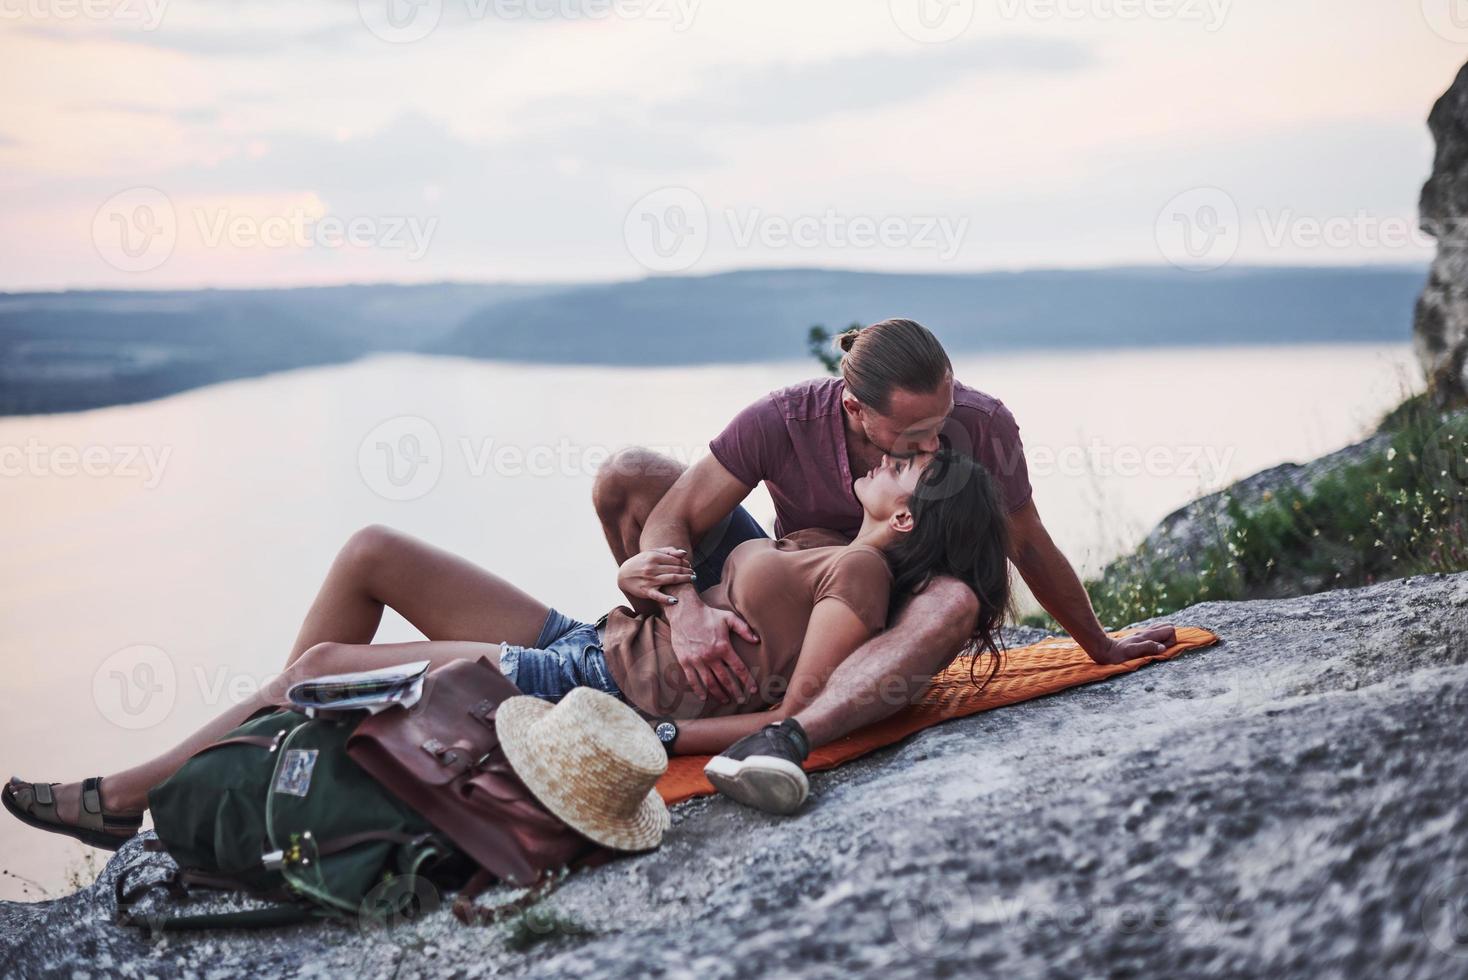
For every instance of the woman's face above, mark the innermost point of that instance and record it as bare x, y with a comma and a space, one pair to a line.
886, 487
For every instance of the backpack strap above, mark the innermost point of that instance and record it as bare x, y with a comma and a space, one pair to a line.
467, 912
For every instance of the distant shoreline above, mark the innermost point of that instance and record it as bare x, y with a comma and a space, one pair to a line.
72, 351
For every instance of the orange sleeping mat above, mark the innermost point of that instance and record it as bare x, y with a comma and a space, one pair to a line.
1028, 672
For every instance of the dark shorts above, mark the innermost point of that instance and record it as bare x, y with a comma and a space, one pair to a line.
567, 655
724, 537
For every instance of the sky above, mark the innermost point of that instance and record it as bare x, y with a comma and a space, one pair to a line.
160, 144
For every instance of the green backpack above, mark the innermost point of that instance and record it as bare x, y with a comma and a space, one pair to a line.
278, 809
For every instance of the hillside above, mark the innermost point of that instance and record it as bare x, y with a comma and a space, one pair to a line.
756, 316
78, 350
1285, 804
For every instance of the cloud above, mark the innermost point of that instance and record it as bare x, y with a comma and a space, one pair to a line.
183, 115
801, 93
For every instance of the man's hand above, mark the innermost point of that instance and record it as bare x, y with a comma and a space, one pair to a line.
701, 644
1150, 641
647, 573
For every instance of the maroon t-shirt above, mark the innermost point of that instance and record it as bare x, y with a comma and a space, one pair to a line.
794, 439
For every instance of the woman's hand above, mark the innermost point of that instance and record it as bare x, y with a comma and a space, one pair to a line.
647, 573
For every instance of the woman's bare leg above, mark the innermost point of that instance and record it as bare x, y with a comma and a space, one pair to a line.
127, 791
443, 595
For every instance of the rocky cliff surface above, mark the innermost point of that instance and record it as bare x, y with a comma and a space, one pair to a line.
1441, 333
1289, 803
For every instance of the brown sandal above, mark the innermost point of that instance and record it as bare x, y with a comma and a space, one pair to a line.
35, 804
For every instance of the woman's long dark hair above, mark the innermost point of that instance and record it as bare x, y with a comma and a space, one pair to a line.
960, 529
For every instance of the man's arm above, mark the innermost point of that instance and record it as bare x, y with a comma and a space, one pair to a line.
833, 633
1057, 587
704, 495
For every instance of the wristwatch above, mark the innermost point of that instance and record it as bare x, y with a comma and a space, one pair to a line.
667, 733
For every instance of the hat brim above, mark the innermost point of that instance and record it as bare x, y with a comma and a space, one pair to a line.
642, 831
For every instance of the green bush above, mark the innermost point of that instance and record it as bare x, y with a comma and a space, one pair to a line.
1401, 511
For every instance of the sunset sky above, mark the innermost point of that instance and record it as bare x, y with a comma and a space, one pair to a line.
150, 144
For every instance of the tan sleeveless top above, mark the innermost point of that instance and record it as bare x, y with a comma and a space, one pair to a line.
772, 586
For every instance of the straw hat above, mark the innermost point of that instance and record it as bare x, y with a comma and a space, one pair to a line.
592, 761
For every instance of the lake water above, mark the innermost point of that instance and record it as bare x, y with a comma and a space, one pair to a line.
159, 557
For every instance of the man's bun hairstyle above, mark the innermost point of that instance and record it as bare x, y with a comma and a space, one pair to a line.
879, 359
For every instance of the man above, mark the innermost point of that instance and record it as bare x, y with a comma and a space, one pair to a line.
896, 396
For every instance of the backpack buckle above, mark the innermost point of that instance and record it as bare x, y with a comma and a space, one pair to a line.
442, 753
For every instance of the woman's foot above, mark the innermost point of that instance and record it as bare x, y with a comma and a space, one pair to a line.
77, 810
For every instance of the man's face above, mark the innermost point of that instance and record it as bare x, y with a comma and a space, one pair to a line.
911, 423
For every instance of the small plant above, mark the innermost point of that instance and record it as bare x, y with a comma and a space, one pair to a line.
820, 344
538, 924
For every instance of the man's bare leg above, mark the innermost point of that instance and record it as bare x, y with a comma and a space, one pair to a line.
628, 486
893, 668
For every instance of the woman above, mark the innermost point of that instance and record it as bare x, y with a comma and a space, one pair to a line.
813, 603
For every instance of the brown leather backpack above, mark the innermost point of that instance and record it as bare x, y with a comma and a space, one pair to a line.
442, 757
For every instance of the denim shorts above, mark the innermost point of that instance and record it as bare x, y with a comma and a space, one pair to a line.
567, 655
713, 549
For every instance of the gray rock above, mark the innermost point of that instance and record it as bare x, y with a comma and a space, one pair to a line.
1286, 804
1441, 331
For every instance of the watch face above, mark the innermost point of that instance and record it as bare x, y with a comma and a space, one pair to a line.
666, 731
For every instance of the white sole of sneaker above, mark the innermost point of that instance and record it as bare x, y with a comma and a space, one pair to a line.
761, 781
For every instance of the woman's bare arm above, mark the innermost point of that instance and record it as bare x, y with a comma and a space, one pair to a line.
833, 634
